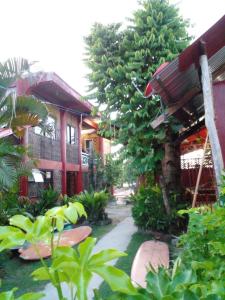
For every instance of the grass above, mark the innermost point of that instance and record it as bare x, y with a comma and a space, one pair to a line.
15, 272
125, 263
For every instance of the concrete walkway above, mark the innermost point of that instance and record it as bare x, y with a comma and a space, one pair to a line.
118, 238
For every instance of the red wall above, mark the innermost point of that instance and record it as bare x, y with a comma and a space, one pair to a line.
219, 106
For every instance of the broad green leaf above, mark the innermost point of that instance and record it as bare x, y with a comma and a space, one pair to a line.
158, 283
5, 231
21, 222
105, 256
118, 280
59, 224
188, 295
7, 295
80, 209
31, 296
56, 211
41, 227
40, 274
85, 250
82, 282
71, 214
16, 239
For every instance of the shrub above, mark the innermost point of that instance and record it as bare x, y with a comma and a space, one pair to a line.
47, 200
94, 204
8, 206
149, 212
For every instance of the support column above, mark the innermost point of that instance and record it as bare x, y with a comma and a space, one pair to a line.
63, 150
210, 115
23, 182
22, 88
79, 181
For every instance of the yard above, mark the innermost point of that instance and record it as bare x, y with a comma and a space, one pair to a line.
156, 127
15, 272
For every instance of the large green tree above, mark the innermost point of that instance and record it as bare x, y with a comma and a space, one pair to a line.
124, 59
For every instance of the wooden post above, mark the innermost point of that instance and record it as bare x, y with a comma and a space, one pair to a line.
79, 185
210, 115
200, 173
63, 150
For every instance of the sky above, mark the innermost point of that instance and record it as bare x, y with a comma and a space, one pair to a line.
51, 31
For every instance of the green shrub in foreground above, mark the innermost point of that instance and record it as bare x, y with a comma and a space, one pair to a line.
149, 211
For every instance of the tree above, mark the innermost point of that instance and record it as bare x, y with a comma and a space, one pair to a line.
17, 113
119, 57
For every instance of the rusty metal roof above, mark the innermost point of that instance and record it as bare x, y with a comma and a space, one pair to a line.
177, 79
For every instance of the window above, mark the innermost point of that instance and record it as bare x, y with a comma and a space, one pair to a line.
89, 146
50, 131
70, 134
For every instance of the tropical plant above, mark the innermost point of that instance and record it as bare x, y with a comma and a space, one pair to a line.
121, 61
17, 112
10, 295
74, 267
149, 211
48, 198
11, 165
94, 204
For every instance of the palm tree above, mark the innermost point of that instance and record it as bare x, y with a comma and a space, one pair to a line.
16, 113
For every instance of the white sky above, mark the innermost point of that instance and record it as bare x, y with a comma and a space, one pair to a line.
51, 31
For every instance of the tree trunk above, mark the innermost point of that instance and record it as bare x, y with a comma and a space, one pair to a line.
165, 194
171, 170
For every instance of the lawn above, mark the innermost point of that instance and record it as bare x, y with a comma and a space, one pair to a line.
125, 263
15, 272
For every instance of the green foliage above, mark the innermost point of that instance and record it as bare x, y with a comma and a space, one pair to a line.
77, 268
11, 166
29, 296
204, 248
74, 267
116, 57
47, 200
222, 189
149, 211
107, 173
94, 204
16, 112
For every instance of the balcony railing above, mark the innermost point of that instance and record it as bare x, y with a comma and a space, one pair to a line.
85, 159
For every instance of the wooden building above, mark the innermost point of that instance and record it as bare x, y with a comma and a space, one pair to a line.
61, 162
192, 89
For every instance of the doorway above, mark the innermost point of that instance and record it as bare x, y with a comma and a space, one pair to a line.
71, 180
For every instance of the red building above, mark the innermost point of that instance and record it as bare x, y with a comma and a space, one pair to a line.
192, 88
60, 161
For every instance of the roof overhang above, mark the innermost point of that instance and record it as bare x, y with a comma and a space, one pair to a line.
52, 89
179, 82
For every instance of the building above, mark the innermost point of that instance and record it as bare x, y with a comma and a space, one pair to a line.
60, 160
192, 87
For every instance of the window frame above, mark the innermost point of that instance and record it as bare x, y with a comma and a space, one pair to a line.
41, 132
71, 140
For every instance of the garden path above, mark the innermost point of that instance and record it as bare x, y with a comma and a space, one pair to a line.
118, 238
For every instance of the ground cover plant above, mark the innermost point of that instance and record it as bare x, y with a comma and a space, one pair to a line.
149, 211
199, 272
11, 267
72, 266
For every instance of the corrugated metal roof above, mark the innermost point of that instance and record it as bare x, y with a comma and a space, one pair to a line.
182, 75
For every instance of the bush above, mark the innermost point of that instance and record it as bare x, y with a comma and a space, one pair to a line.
204, 248
8, 206
94, 204
149, 212
47, 200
